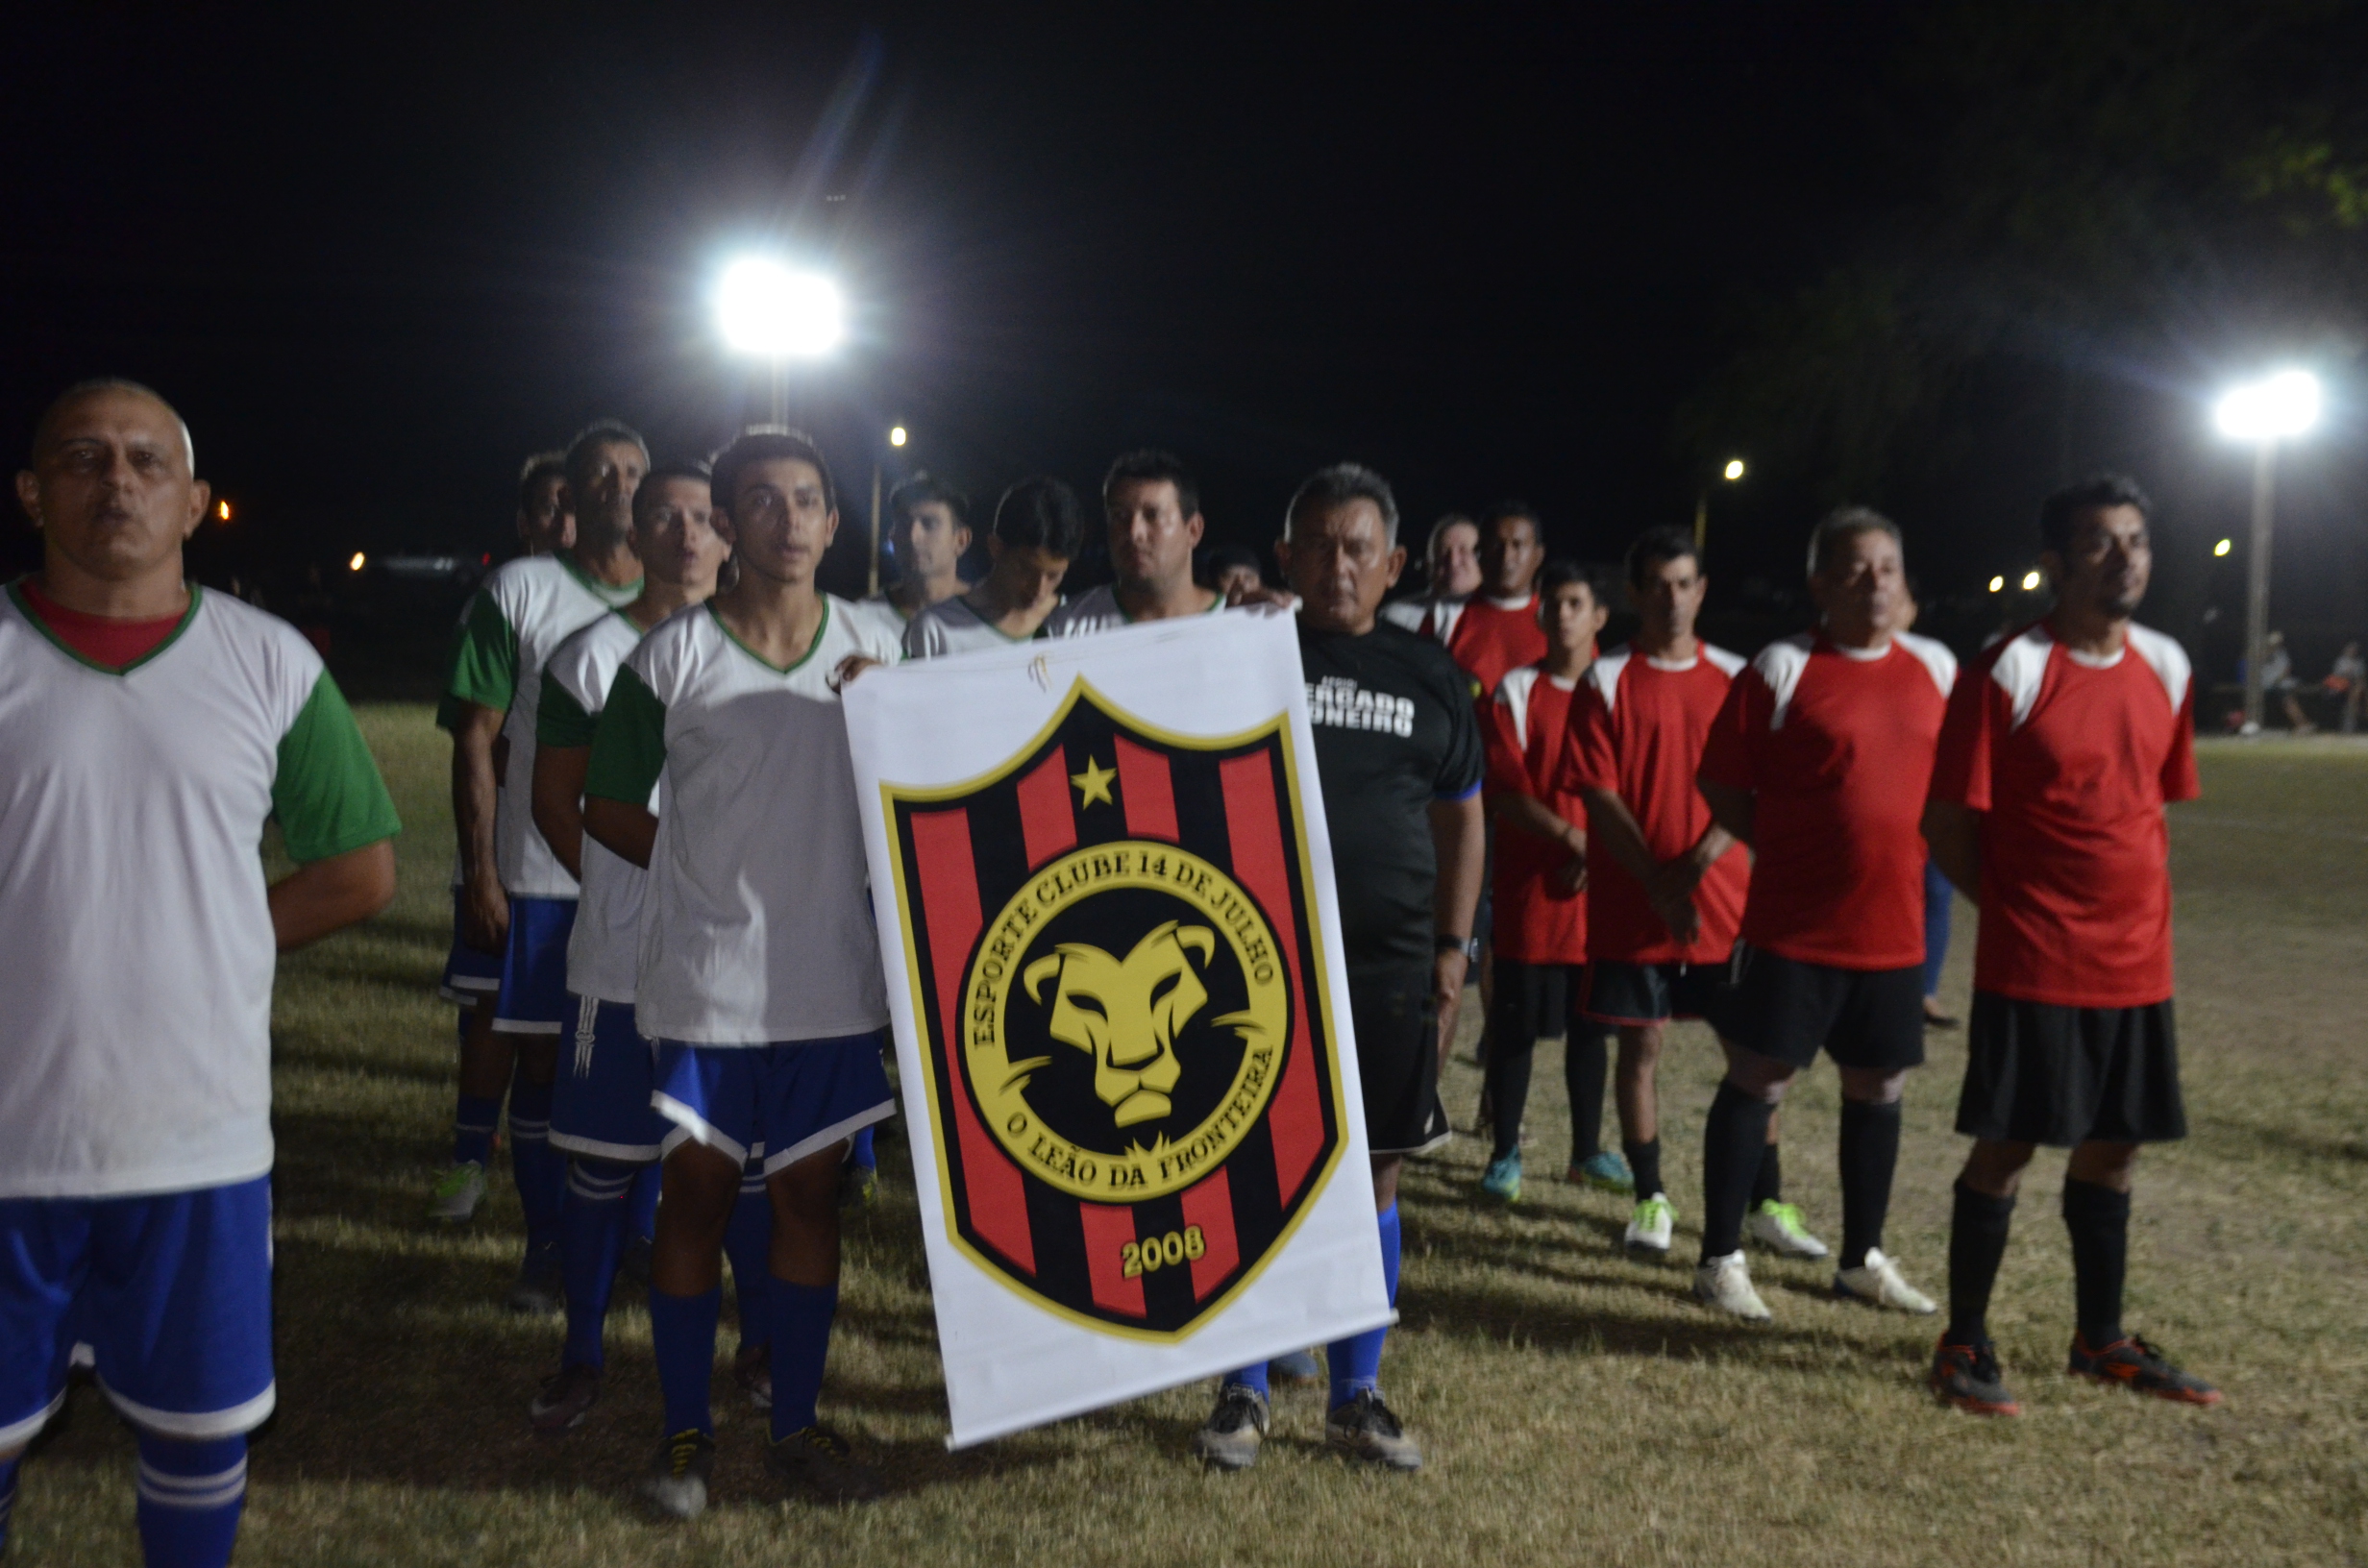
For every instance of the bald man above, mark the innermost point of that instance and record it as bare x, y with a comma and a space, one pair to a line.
148, 730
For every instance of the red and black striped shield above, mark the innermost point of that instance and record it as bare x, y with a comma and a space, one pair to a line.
1115, 960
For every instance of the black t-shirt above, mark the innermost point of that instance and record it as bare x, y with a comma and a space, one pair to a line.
1395, 731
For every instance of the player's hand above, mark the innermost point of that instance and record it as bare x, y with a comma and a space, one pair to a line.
1569, 879
484, 913
849, 667
1448, 972
1273, 599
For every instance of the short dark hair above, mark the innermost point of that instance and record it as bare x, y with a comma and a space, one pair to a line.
1665, 542
1562, 571
1503, 509
541, 466
920, 491
1150, 466
1219, 559
2098, 490
767, 444
1340, 484
1843, 522
1042, 513
695, 473
601, 432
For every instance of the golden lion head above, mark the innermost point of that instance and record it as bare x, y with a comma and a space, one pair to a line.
1127, 1014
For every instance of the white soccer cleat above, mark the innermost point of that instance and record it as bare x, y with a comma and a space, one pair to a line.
1724, 1286
456, 1194
1878, 1284
1649, 1227
1776, 1227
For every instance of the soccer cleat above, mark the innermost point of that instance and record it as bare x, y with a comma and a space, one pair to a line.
1363, 1428
1606, 1169
539, 1289
1648, 1229
1724, 1285
1229, 1439
677, 1484
566, 1399
819, 1459
2133, 1364
455, 1198
1502, 1180
752, 1368
1877, 1283
1966, 1378
858, 1187
1776, 1227
1298, 1368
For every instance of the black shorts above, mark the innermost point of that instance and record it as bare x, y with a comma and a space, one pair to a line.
2040, 1073
1788, 1009
1538, 1001
1642, 994
1397, 1061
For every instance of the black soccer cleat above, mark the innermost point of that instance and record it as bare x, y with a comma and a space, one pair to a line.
2133, 1364
1967, 1378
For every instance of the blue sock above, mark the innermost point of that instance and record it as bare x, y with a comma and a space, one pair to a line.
683, 1337
748, 1242
7, 1495
591, 1235
1356, 1360
641, 1203
1249, 1377
860, 1153
189, 1499
799, 1316
541, 1173
472, 1124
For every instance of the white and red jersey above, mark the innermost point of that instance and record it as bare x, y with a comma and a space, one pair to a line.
1835, 746
1637, 729
1525, 727
1433, 619
2071, 759
1493, 636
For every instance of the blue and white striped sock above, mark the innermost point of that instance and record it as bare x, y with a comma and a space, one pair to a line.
591, 1235
190, 1496
540, 1172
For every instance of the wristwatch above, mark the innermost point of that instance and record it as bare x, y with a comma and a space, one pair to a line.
1469, 946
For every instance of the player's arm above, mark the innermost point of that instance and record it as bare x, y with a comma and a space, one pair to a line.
337, 821
628, 753
1733, 811
559, 802
484, 908
328, 896
1955, 834
1459, 838
1618, 833
1532, 814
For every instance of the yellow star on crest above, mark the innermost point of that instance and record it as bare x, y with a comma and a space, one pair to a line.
1094, 781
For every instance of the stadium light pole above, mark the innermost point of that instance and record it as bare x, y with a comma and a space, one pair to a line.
2279, 407
771, 312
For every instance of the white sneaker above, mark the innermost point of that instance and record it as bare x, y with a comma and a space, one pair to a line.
1879, 1285
1776, 1227
456, 1194
1724, 1285
1648, 1229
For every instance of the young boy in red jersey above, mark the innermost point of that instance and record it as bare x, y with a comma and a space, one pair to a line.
1819, 762
1498, 631
2063, 744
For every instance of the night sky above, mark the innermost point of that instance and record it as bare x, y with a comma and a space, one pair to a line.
377, 258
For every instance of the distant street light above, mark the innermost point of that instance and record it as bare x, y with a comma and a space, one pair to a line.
765, 309
359, 561
1997, 585
896, 436
2221, 548
1732, 472
2276, 409
2031, 583
222, 510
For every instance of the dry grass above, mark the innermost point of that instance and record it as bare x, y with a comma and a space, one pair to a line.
1575, 1406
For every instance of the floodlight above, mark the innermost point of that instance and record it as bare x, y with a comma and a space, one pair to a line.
765, 309
2222, 547
1733, 469
2276, 408
896, 436
2031, 581
1997, 585
359, 561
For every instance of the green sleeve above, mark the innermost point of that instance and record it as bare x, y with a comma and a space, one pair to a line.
628, 742
560, 720
484, 668
327, 793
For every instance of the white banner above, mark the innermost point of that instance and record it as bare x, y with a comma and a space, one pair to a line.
1105, 905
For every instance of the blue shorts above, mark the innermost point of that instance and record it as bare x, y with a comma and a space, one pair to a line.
534, 998
168, 1298
599, 1102
789, 1099
469, 975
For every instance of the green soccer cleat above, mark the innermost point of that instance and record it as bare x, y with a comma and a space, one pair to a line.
1502, 1181
1778, 1227
1606, 1171
455, 1198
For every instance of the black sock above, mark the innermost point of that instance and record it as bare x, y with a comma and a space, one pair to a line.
1644, 1159
1977, 1228
1733, 1143
2099, 1220
1585, 1064
1767, 1185
1869, 1154
1508, 1081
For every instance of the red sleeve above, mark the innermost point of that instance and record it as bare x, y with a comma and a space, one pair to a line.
1589, 760
1960, 770
2179, 780
1508, 770
1731, 750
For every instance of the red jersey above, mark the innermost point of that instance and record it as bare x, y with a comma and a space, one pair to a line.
1636, 728
1835, 746
1495, 635
1525, 728
2072, 761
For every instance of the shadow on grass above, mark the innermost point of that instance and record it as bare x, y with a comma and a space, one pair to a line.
2263, 1138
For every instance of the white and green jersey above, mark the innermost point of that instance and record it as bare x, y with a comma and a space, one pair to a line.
605, 943
136, 943
755, 923
952, 627
526, 608
1098, 610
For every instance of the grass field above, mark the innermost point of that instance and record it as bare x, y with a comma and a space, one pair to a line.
1576, 1409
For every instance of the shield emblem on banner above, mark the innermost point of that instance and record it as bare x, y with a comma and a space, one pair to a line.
1114, 961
